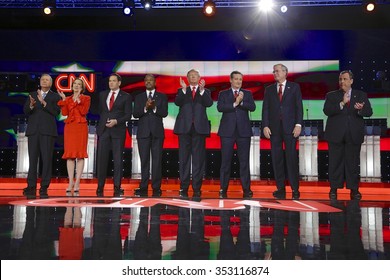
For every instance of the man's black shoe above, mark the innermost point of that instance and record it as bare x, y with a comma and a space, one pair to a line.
157, 193
333, 194
99, 191
183, 193
356, 195
197, 194
141, 191
296, 195
43, 191
118, 190
280, 194
247, 194
222, 193
29, 191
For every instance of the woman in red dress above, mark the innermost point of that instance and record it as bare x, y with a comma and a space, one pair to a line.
75, 107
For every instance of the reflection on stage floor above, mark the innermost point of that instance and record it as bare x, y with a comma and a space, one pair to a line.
130, 228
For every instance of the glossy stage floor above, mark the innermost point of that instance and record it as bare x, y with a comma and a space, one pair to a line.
83, 226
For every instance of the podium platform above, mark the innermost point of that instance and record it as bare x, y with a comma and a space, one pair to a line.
312, 130
370, 157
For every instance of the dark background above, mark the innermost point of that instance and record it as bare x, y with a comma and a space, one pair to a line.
360, 41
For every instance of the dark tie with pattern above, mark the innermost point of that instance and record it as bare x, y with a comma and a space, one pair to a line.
235, 93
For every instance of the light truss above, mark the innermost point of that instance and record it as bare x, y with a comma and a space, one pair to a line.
167, 4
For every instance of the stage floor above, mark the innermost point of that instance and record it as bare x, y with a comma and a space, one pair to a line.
83, 226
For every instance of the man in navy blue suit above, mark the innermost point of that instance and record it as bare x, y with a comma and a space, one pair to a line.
192, 126
346, 109
282, 123
235, 128
115, 111
150, 107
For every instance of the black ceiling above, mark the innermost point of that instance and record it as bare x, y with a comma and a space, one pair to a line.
230, 19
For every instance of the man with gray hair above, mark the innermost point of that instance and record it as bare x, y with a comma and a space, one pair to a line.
42, 109
282, 123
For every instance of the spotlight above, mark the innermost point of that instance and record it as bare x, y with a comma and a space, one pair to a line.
128, 7
266, 5
209, 8
47, 10
370, 6
49, 7
283, 9
147, 4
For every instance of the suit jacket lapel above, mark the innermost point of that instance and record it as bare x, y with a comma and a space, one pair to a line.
354, 97
287, 90
105, 96
276, 92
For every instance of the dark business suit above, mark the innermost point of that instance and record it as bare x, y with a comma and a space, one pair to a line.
345, 134
235, 127
38, 240
41, 132
192, 126
345, 240
281, 118
112, 138
241, 249
106, 239
150, 136
147, 242
190, 242
285, 248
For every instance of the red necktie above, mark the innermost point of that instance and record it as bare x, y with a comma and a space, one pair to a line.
193, 92
235, 93
280, 92
112, 100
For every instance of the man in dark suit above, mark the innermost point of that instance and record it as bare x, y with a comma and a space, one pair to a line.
42, 109
192, 126
150, 107
147, 241
282, 123
115, 110
344, 132
235, 128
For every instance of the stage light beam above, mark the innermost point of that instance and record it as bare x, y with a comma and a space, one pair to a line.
266, 5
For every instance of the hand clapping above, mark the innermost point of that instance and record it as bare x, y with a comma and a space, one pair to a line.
150, 104
239, 98
32, 101
183, 84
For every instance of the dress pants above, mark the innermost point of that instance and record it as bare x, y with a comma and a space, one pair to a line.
243, 149
192, 145
40, 146
150, 147
282, 159
105, 144
344, 160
